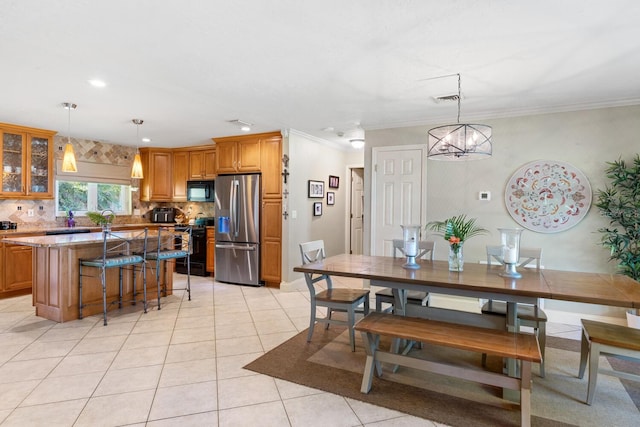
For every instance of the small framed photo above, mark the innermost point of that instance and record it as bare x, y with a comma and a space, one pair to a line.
334, 181
331, 198
316, 189
317, 209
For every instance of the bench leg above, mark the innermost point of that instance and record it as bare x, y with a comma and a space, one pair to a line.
370, 344
584, 354
525, 394
594, 359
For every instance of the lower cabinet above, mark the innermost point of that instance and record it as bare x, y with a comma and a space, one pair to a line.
271, 242
211, 250
16, 275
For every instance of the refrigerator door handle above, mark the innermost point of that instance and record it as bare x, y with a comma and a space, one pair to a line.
236, 247
235, 211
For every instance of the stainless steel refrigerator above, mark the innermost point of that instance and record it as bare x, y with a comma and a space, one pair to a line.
237, 199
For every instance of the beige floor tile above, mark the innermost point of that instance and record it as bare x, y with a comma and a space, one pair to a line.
52, 414
320, 410
404, 421
275, 326
116, 409
84, 364
19, 338
289, 390
99, 345
232, 318
208, 419
368, 413
42, 350
290, 300
189, 372
271, 414
197, 311
159, 325
59, 334
4, 413
233, 346
148, 339
11, 394
233, 366
243, 391
191, 351
27, 370
140, 357
58, 389
267, 315
117, 381
182, 336
195, 322
235, 330
7, 352
183, 400
231, 308
99, 331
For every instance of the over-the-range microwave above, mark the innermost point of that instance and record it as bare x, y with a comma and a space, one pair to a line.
200, 191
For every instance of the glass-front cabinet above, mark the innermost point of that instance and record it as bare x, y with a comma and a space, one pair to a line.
27, 162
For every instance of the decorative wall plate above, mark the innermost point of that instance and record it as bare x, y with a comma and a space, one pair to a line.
548, 196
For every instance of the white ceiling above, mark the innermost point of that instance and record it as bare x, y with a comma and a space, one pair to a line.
188, 67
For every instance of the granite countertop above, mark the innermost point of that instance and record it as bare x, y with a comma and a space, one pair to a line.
69, 239
26, 230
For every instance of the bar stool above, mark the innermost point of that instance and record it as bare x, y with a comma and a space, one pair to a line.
118, 250
173, 243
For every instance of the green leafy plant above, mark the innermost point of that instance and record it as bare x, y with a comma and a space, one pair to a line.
101, 218
457, 229
620, 202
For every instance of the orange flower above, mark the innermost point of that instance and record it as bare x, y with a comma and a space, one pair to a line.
454, 239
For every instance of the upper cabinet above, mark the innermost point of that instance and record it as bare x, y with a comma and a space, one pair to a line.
27, 162
238, 154
157, 184
180, 175
202, 164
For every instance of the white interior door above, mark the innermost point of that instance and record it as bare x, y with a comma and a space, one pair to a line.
357, 210
398, 183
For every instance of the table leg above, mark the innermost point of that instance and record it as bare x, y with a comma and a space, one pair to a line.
512, 364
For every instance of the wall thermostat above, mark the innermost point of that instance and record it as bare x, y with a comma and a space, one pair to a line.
484, 195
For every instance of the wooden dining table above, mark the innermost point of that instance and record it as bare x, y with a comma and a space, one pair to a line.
480, 281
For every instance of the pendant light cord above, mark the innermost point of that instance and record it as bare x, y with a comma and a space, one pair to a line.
459, 96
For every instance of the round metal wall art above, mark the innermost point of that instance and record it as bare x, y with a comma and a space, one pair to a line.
548, 196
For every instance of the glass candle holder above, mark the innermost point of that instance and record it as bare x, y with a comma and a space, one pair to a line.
410, 236
510, 238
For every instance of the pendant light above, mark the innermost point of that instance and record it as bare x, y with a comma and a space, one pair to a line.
460, 141
136, 170
69, 159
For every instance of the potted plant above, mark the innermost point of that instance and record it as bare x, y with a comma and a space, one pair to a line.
456, 230
620, 202
103, 219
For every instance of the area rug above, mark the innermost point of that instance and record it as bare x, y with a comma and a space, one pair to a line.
326, 363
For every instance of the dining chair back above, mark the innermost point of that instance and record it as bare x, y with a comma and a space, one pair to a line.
527, 314
122, 250
426, 249
172, 243
334, 299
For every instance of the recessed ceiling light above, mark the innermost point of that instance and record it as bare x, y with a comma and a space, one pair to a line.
146, 139
244, 126
97, 83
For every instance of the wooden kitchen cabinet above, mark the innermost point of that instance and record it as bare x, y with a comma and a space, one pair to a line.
271, 165
202, 164
271, 242
16, 276
211, 250
180, 175
238, 154
157, 184
26, 156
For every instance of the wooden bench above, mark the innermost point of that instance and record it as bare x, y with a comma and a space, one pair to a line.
614, 340
520, 346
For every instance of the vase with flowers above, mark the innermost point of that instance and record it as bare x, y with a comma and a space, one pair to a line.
456, 230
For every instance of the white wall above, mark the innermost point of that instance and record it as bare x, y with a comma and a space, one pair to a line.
312, 159
585, 139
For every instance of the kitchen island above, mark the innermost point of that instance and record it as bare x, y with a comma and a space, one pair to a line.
55, 274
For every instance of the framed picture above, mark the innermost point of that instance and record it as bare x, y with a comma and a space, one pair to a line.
316, 189
317, 209
334, 181
331, 198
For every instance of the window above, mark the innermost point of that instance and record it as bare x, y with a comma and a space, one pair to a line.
82, 197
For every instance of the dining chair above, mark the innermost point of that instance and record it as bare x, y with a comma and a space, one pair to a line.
613, 340
527, 314
334, 299
119, 250
173, 243
425, 247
